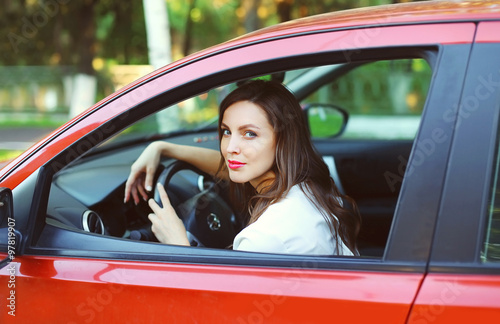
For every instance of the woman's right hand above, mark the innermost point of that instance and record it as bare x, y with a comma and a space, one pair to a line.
165, 224
140, 180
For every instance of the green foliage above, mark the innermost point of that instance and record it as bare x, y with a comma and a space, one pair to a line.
325, 127
6, 155
372, 88
50, 32
212, 22
42, 122
121, 32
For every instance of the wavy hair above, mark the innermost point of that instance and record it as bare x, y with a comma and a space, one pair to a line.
296, 162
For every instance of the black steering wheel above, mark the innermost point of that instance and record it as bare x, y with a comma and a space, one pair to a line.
208, 219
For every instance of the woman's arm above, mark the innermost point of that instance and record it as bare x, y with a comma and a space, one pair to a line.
140, 180
207, 160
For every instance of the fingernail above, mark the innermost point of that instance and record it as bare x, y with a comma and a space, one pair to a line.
149, 188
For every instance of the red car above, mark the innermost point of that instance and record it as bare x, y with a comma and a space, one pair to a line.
403, 102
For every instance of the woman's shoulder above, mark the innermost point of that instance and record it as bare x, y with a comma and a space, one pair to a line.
294, 203
291, 225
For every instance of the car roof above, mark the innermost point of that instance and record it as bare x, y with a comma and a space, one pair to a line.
392, 14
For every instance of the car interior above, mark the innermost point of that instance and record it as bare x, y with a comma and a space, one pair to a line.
363, 118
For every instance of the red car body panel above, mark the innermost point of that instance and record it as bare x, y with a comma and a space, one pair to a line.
461, 298
487, 32
447, 298
218, 293
102, 290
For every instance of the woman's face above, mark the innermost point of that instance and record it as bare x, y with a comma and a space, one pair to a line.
248, 143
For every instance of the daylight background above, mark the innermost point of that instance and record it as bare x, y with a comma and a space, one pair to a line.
58, 57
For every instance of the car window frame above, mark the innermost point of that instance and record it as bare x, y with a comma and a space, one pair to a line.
461, 253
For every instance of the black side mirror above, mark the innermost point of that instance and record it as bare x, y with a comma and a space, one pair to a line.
325, 121
8, 226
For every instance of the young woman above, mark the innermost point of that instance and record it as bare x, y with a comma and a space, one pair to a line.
267, 155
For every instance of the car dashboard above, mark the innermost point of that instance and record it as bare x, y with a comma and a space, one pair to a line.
89, 195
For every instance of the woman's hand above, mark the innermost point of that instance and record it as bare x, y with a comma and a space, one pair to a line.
167, 226
140, 180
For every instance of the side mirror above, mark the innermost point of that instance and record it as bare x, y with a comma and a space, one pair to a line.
8, 232
325, 121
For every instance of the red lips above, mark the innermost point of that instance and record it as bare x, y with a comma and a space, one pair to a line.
234, 164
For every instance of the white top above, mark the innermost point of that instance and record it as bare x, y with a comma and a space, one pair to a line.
291, 226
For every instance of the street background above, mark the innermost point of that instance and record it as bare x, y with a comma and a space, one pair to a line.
58, 58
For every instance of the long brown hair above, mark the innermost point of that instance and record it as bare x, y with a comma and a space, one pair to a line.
296, 162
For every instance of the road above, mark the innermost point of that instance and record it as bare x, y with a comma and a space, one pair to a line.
20, 139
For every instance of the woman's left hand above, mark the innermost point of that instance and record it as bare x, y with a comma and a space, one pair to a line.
167, 226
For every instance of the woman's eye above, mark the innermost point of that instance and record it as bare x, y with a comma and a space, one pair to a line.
250, 134
226, 132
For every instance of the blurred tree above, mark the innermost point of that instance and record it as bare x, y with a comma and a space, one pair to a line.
189, 28
160, 53
121, 32
84, 82
21, 25
71, 32
284, 9
64, 32
197, 24
251, 19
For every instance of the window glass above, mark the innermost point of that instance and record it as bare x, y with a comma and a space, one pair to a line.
491, 249
193, 114
384, 99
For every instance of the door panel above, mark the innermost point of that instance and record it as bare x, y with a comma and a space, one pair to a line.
84, 291
457, 299
463, 284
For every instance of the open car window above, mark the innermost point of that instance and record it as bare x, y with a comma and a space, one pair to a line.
87, 196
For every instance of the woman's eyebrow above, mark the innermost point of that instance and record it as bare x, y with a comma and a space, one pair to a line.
241, 127
248, 126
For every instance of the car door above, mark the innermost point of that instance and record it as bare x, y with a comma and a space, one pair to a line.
65, 275
463, 284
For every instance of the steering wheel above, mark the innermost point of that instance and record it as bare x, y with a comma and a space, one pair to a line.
208, 219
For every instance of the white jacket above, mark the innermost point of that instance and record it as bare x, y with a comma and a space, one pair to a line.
291, 226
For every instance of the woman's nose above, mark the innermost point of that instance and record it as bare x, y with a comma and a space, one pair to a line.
233, 146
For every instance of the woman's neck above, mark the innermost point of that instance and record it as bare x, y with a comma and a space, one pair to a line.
264, 182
